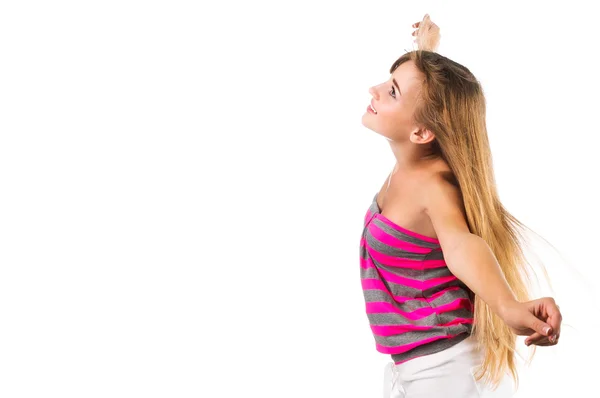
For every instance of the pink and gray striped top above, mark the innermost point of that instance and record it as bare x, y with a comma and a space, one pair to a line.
414, 304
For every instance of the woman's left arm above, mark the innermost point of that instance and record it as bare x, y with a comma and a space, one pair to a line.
472, 261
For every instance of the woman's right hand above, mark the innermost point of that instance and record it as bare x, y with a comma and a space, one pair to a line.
427, 34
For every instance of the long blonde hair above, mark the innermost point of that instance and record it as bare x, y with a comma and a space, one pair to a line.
452, 105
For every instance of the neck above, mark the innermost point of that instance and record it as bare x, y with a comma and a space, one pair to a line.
410, 156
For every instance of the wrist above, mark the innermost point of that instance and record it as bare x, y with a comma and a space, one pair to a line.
432, 46
505, 306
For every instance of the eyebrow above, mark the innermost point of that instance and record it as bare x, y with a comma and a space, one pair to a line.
396, 83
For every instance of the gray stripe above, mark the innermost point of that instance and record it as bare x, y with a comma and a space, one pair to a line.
371, 273
433, 290
401, 235
430, 348
387, 319
419, 274
374, 295
436, 254
411, 337
388, 250
449, 316
402, 290
416, 274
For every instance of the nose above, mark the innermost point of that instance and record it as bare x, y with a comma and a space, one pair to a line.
373, 92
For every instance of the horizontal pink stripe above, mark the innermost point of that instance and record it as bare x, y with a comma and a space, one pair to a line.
423, 285
390, 240
424, 264
397, 329
381, 307
407, 347
404, 230
392, 330
376, 284
366, 263
441, 292
369, 283
403, 262
457, 321
461, 303
399, 262
415, 284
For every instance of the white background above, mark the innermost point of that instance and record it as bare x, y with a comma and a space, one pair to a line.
183, 185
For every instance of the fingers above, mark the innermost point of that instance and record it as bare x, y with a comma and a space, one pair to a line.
541, 340
538, 315
541, 327
534, 338
547, 344
416, 26
426, 34
538, 339
426, 23
554, 317
548, 310
425, 19
544, 342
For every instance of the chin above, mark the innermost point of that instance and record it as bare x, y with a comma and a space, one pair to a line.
365, 122
375, 131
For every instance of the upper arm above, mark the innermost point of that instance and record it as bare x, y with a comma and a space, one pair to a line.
444, 206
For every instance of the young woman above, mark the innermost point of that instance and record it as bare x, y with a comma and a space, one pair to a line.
442, 269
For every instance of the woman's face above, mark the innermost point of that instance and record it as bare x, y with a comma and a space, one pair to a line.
394, 101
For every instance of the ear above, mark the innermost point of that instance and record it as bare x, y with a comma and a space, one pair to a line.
422, 136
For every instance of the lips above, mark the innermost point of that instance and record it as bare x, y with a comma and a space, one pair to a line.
373, 108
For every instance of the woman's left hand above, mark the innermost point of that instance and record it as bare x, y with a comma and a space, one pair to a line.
427, 34
533, 318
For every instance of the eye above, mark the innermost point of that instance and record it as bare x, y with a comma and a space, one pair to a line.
392, 91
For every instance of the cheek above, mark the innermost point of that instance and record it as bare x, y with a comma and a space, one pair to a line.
393, 114
402, 114
395, 120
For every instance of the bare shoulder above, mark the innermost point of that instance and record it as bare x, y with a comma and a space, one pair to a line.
441, 189
443, 203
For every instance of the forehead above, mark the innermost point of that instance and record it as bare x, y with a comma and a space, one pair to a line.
409, 78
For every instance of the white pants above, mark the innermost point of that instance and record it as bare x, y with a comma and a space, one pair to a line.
448, 374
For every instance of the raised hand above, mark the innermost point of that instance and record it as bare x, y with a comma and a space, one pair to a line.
427, 34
